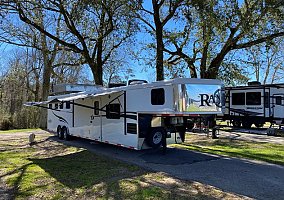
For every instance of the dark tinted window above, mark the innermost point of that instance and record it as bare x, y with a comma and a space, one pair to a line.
96, 107
61, 105
278, 100
113, 111
68, 105
158, 96
50, 106
253, 98
238, 98
266, 100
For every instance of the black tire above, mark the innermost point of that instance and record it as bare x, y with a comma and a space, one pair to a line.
236, 123
246, 124
155, 138
258, 125
59, 133
65, 133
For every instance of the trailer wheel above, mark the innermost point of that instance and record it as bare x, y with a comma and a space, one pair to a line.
236, 123
65, 133
59, 133
155, 138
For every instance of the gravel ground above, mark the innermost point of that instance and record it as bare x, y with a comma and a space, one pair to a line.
249, 135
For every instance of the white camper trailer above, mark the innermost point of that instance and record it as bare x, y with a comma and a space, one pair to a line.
135, 116
255, 104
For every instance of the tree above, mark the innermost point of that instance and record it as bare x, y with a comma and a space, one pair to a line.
14, 93
221, 27
88, 24
156, 19
266, 61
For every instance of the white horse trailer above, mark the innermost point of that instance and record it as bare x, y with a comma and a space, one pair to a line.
136, 116
254, 104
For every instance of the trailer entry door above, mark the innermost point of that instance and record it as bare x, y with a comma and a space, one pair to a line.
278, 105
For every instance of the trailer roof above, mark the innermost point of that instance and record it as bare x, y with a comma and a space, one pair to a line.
277, 85
104, 91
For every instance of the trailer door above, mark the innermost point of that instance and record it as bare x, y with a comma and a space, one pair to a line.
278, 105
96, 119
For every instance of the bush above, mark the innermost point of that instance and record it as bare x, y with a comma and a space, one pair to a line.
26, 118
6, 124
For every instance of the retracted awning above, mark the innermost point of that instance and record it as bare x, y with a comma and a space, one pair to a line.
70, 97
40, 102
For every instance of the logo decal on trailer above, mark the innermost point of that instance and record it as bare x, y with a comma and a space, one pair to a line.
209, 100
60, 118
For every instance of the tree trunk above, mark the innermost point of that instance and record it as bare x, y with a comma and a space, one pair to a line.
45, 92
97, 73
47, 69
99, 64
192, 70
160, 56
203, 63
159, 43
213, 69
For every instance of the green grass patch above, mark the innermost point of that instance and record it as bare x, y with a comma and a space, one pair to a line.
19, 130
268, 152
52, 170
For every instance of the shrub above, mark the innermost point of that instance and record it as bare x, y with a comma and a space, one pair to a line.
6, 123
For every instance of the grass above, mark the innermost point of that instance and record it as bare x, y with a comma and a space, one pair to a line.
268, 152
52, 170
19, 130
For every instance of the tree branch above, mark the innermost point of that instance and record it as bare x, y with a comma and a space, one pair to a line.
25, 19
257, 41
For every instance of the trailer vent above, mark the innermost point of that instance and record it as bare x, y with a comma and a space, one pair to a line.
136, 82
113, 85
254, 83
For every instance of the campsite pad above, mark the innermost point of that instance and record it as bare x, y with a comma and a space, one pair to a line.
175, 156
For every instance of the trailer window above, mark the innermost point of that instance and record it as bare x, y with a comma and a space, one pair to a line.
61, 105
238, 98
266, 100
253, 98
50, 106
96, 107
68, 105
158, 96
113, 111
278, 100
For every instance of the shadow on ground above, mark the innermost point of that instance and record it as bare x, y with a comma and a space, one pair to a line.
175, 156
83, 169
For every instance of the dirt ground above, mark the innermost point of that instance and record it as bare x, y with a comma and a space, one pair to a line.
251, 135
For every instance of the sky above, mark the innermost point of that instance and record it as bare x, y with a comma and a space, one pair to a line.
141, 70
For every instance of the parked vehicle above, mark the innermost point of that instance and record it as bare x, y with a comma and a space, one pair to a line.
137, 116
254, 104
